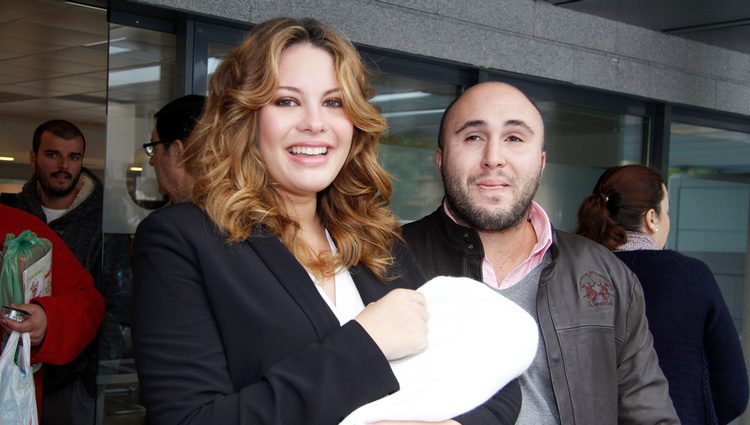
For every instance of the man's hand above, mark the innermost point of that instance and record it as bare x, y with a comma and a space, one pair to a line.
35, 323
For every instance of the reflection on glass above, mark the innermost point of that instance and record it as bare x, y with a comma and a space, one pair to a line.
142, 72
708, 184
581, 143
413, 109
216, 54
142, 188
709, 199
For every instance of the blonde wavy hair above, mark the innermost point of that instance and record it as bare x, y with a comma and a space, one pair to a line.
231, 182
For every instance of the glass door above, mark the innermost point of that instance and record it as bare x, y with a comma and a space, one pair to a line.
141, 79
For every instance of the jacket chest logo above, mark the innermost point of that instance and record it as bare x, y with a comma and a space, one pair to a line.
596, 290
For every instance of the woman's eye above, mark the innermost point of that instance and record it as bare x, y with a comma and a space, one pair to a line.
333, 103
286, 102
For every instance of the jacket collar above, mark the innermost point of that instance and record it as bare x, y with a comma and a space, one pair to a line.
89, 200
459, 237
296, 281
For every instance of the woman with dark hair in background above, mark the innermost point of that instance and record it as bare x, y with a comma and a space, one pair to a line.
694, 336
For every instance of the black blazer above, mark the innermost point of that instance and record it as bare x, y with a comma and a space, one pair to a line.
238, 334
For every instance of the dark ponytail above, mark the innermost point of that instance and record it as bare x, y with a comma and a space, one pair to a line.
620, 199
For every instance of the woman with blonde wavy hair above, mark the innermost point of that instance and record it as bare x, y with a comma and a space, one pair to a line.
281, 293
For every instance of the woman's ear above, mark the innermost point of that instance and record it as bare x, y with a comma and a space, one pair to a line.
651, 221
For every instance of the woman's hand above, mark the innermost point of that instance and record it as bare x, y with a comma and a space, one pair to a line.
36, 323
397, 323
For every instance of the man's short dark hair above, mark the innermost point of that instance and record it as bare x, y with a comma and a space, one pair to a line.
60, 128
177, 118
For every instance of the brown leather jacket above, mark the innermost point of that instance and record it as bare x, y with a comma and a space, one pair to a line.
591, 313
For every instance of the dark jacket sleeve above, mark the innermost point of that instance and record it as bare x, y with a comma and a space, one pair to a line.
643, 389
724, 358
181, 354
502, 408
75, 308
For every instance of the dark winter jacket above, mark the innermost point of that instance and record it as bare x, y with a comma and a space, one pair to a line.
694, 336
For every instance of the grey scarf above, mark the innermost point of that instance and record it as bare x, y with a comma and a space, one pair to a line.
637, 241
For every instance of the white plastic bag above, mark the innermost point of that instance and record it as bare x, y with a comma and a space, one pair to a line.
17, 396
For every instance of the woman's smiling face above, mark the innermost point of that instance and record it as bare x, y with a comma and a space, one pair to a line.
304, 133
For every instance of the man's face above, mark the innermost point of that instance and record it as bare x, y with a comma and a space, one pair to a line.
165, 163
57, 164
492, 156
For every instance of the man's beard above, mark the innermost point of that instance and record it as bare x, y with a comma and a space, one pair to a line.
54, 191
489, 219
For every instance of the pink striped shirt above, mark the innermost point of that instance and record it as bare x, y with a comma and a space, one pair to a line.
543, 229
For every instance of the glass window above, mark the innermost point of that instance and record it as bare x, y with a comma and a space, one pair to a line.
709, 196
142, 79
216, 54
581, 143
413, 109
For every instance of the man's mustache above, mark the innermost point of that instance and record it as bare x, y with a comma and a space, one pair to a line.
64, 174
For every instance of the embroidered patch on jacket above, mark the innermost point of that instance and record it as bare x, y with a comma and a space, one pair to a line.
596, 289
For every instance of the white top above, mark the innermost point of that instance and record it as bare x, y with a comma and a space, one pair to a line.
53, 215
348, 301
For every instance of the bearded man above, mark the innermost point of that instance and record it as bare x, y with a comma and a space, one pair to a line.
67, 197
595, 361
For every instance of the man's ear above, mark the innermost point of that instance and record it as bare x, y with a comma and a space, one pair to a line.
32, 158
439, 160
179, 148
651, 221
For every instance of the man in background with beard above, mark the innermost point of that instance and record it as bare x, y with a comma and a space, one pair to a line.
595, 362
67, 197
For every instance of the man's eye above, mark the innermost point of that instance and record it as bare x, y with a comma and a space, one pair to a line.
473, 138
75, 157
515, 139
51, 155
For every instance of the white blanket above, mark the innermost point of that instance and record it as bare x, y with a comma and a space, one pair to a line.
478, 342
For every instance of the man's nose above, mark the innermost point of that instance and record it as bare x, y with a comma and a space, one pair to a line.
494, 154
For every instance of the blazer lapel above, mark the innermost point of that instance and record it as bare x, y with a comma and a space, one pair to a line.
294, 278
369, 287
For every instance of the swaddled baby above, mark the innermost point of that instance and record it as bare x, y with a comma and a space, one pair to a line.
478, 342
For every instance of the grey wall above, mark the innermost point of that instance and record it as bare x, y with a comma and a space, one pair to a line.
523, 36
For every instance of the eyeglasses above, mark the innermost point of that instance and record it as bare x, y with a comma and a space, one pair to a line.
149, 147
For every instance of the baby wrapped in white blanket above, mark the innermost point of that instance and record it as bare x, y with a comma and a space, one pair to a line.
478, 342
